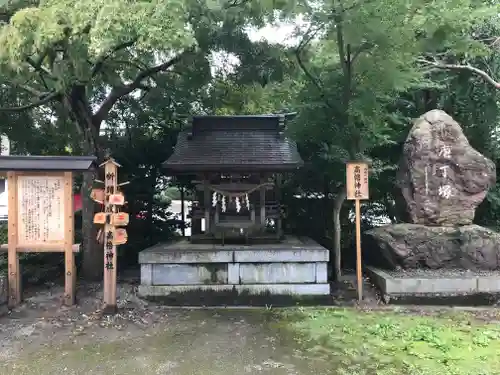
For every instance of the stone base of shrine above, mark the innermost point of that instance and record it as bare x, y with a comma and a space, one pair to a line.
294, 267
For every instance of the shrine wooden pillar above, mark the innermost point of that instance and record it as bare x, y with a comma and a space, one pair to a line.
69, 235
279, 179
14, 276
262, 201
206, 203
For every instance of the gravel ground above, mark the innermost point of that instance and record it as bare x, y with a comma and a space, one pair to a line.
42, 338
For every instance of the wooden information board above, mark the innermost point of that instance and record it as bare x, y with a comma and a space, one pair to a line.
357, 181
40, 213
41, 219
357, 189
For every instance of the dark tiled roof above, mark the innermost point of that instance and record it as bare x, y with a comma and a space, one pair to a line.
234, 142
46, 163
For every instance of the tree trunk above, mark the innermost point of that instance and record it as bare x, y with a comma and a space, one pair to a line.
93, 258
337, 233
152, 187
92, 254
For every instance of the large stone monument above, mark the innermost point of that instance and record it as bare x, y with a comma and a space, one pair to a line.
442, 181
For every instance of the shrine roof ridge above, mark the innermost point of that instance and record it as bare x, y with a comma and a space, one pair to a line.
236, 142
46, 163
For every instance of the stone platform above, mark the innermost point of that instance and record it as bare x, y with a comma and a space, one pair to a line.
293, 267
445, 282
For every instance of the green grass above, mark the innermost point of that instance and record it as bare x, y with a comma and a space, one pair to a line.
389, 343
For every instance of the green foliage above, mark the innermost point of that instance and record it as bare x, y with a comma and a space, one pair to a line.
89, 30
387, 343
356, 79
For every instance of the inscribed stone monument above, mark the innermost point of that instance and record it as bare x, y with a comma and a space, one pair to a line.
442, 180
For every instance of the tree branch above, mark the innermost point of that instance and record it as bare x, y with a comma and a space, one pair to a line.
39, 67
38, 103
314, 80
235, 3
100, 62
363, 47
118, 92
30, 90
481, 73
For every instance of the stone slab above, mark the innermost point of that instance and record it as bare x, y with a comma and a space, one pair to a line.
292, 249
322, 272
177, 257
488, 284
233, 273
277, 289
189, 274
466, 284
277, 273
146, 274
273, 256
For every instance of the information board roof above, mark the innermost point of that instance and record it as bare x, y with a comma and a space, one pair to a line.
45, 163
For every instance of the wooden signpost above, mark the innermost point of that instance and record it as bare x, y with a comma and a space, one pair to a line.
111, 218
357, 189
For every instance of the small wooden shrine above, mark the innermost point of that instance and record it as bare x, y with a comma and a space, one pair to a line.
238, 162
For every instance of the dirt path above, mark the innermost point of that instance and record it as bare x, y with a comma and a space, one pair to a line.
42, 338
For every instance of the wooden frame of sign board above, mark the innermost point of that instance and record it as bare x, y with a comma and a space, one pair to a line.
357, 189
40, 213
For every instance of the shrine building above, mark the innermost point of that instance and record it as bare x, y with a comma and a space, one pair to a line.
237, 164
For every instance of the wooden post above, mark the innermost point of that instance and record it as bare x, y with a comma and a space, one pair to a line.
113, 236
357, 189
206, 204
69, 256
359, 272
110, 184
278, 202
263, 203
14, 277
183, 214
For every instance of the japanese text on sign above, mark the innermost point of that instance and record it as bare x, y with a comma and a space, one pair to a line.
40, 209
357, 181
109, 250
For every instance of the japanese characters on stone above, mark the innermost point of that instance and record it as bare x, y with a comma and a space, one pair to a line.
41, 209
444, 189
440, 170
